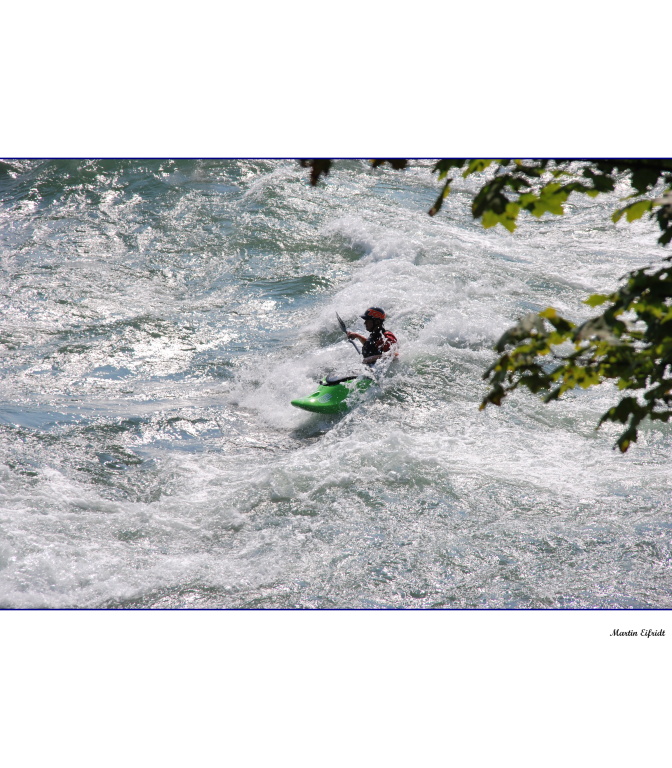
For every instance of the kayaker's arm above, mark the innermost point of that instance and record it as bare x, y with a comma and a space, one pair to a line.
371, 360
353, 335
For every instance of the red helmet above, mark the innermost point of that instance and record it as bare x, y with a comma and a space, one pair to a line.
375, 313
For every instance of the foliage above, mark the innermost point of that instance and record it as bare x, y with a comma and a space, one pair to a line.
543, 186
630, 342
635, 353
318, 167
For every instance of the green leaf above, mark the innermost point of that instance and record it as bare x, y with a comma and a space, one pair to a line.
629, 436
439, 200
476, 166
443, 166
665, 238
633, 211
596, 299
551, 199
644, 177
506, 219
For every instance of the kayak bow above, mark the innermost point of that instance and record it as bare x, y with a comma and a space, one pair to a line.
332, 394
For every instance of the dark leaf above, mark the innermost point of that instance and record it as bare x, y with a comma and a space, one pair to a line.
318, 167
397, 163
439, 200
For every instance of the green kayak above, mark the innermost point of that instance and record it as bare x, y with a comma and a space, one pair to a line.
332, 394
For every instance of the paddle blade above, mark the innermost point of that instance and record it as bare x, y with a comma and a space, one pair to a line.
345, 330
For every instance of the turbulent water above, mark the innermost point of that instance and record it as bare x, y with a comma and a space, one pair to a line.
158, 316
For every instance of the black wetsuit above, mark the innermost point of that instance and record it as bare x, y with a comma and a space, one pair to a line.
378, 342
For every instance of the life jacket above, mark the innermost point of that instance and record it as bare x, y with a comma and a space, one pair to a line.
377, 343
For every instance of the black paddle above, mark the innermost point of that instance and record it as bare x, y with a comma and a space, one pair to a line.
345, 330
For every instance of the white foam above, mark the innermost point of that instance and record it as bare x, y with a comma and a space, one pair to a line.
414, 497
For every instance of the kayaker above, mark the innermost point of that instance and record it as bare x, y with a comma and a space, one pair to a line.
380, 341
